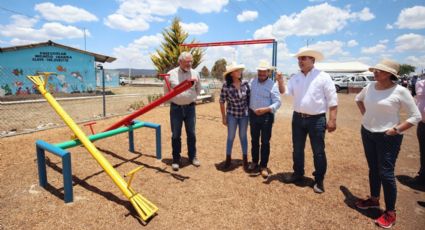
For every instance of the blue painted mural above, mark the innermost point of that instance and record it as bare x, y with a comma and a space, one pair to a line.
75, 71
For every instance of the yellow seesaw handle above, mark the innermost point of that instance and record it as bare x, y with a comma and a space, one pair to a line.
104, 163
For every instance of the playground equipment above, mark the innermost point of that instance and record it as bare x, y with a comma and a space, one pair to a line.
186, 84
144, 207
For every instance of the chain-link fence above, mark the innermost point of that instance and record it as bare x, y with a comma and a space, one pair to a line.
27, 111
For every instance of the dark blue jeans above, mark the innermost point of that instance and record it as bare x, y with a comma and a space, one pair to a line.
315, 128
381, 154
261, 128
178, 115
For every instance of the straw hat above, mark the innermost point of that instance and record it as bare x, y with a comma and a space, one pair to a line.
310, 53
232, 67
265, 65
388, 66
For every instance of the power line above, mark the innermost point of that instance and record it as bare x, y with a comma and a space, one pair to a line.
13, 11
41, 19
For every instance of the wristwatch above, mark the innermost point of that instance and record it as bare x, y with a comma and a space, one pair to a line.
396, 130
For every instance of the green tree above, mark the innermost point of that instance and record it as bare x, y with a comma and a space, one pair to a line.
219, 68
205, 72
166, 58
406, 69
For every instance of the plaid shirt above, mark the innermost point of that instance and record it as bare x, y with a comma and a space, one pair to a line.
237, 105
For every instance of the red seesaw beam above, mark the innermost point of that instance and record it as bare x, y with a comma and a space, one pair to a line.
230, 43
172, 93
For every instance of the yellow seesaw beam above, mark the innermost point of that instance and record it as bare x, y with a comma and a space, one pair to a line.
144, 208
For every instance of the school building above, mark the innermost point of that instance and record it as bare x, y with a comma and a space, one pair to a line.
75, 69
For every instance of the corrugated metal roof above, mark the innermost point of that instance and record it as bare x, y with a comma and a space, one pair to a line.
97, 57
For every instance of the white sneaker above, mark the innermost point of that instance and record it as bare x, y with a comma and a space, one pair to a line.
196, 162
175, 166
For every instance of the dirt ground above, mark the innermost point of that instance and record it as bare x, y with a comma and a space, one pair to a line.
204, 197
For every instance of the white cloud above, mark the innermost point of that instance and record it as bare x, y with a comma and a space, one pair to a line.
389, 27
364, 15
22, 31
411, 18
352, 43
410, 42
379, 48
195, 28
329, 48
316, 20
247, 15
137, 53
119, 21
65, 13
135, 15
264, 32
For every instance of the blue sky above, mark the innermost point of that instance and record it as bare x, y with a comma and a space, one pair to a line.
130, 30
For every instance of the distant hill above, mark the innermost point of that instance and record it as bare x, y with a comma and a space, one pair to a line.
137, 72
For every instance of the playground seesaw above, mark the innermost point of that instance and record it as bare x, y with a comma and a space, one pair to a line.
144, 207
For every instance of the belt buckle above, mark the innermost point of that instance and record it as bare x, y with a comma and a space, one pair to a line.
303, 115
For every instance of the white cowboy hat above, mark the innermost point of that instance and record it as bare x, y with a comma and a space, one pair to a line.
388, 66
265, 65
232, 67
310, 53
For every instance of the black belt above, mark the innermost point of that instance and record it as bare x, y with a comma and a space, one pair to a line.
188, 105
304, 115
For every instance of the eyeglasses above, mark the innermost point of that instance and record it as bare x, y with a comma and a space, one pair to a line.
303, 58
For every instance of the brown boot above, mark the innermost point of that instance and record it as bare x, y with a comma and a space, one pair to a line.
245, 163
228, 162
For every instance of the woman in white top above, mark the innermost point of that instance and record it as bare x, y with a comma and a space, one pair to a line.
380, 103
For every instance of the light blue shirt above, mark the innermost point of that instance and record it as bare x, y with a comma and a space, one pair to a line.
264, 94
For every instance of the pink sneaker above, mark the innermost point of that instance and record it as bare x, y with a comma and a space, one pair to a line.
387, 220
367, 203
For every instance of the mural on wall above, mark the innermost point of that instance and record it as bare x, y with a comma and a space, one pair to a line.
75, 71
17, 72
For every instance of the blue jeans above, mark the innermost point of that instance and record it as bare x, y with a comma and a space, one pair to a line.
381, 153
315, 127
232, 124
178, 115
261, 127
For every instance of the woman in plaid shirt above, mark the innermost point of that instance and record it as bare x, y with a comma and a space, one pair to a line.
235, 93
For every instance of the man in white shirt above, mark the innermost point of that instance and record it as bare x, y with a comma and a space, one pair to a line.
313, 94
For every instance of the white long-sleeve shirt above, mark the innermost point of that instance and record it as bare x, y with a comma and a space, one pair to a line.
383, 107
314, 93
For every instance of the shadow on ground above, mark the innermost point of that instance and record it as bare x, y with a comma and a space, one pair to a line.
351, 199
409, 182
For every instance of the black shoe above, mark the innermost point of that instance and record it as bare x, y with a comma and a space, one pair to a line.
318, 187
245, 163
418, 180
228, 162
293, 178
253, 168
